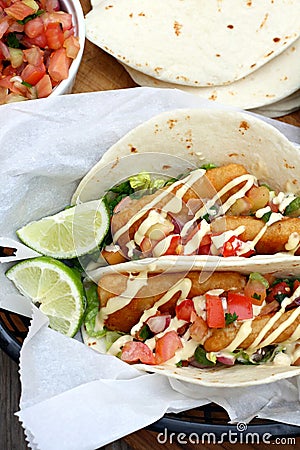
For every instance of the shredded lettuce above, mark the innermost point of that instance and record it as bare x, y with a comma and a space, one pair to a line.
111, 337
255, 276
91, 312
143, 180
208, 166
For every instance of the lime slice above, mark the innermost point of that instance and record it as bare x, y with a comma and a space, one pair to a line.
70, 233
55, 288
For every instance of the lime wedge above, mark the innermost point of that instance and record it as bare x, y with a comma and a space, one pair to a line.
55, 288
71, 233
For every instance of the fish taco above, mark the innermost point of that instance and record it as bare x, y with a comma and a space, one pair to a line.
192, 324
199, 182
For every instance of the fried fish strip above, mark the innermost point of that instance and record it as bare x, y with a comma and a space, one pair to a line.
221, 338
273, 240
112, 285
205, 188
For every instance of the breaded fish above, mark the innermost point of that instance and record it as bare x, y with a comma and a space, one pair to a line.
113, 285
222, 338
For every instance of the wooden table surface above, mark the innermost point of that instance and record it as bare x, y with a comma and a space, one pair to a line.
98, 71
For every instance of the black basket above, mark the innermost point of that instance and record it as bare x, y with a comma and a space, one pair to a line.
207, 419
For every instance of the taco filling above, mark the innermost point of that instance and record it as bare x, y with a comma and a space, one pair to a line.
221, 211
199, 319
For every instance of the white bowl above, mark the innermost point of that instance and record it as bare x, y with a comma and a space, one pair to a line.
72, 7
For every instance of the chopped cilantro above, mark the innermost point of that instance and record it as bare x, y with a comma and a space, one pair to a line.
31, 16
266, 216
208, 166
293, 207
256, 296
200, 357
29, 86
230, 318
122, 188
144, 332
280, 296
12, 40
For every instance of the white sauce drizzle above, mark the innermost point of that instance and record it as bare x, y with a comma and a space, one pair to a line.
162, 246
183, 286
174, 325
242, 334
287, 301
293, 242
220, 239
134, 284
196, 174
283, 200
184, 353
116, 347
131, 247
153, 218
192, 245
250, 179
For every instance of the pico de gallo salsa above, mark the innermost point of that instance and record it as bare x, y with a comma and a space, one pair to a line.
37, 47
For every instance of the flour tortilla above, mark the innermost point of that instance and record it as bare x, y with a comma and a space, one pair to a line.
272, 82
194, 42
234, 376
173, 142
282, 107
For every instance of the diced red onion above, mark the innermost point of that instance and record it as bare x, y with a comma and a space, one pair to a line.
159, 323
227, 360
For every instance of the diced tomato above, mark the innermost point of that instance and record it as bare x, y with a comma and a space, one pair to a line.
166, 346
6, 83
34, 27
44, 87
51, 5
233, 247
34, 56
204, 244
72, 46
33, 74
279, 291
59, 65
255, 290
65, 19
229, 248
135, 351
173, 247
54, 36
4, 51
240, 305
198, 329
19, 10
39, 41
5, 3
296, 284
184, 310
4, 25
215, 311
42, 37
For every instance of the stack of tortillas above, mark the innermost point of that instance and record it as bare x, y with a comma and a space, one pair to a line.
243, 53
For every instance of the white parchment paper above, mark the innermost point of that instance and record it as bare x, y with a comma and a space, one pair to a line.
73, 398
